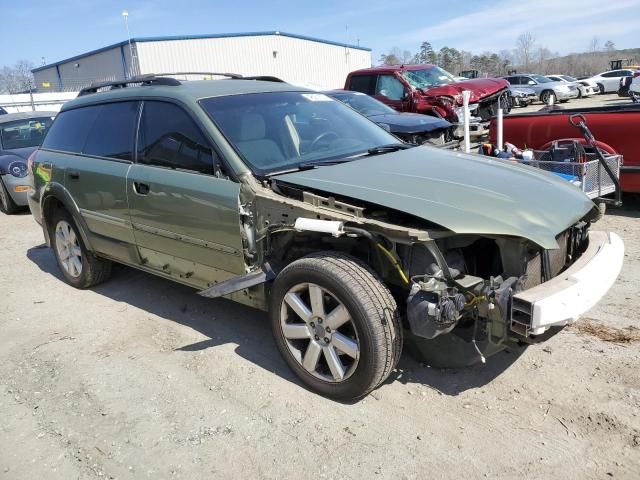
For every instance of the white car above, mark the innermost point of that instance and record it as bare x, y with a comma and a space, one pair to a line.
610, 81
634, 90
586, 88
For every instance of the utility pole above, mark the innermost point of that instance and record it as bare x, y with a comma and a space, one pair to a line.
125, 15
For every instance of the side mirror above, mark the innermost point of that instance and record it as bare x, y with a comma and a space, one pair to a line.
531, 82
405, 94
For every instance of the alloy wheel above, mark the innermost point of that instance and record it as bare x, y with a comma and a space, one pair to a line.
68, 249
320, 333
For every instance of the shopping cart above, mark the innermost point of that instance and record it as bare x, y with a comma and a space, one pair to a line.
596, 173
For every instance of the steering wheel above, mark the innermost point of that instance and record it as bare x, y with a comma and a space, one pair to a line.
322, 136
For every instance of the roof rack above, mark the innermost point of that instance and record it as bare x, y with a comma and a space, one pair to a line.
149, 79
164, 79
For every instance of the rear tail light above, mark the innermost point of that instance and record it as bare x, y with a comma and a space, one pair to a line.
636, 74
31, 160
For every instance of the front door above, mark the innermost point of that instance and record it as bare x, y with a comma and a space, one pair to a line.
393, 92
185, 216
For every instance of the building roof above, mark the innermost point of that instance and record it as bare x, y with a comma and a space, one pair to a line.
189, 91
197, 37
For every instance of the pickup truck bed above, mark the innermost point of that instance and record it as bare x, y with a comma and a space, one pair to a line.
617, 127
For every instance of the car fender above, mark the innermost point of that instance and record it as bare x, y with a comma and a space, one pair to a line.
56, 191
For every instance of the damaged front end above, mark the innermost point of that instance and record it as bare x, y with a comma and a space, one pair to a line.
508, 290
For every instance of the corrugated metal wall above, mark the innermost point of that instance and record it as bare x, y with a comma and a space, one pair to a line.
295, 60
292, 59
82, 72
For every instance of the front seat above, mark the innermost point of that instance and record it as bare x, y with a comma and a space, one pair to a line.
258, 150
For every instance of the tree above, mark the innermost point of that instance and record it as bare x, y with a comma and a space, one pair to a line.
17, 78
426, 54
524, 49
594, 45
609, 46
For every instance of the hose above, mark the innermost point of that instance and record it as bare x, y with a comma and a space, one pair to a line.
394, 262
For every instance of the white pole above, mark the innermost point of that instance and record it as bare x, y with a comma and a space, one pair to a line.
466, 95
125, 14
500, 139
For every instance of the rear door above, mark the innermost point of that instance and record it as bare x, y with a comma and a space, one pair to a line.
93, 148
185, 215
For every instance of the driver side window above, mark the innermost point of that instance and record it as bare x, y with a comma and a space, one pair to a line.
390, 87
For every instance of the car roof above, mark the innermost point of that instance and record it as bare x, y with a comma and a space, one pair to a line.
392, 68
187, 91
12, 117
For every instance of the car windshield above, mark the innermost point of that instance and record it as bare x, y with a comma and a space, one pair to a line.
280, 131
363, 103
28, 132
569, 79
428, 77
540, 79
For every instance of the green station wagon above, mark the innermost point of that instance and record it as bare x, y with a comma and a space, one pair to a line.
291, 202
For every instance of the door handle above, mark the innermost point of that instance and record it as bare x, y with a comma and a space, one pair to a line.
141, 188
74, 174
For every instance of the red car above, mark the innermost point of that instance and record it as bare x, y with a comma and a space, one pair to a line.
430, 90
613, 127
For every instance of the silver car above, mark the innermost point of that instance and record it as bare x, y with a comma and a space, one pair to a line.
547, 90
20, 135
586, 88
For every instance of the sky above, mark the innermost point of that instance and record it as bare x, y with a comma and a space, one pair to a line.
48, 31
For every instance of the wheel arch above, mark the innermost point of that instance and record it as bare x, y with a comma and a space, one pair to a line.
57, 197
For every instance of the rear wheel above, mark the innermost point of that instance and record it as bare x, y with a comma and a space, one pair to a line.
335, 324
80, 267
7, 205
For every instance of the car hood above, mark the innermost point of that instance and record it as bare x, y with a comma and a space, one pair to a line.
467, 194
479, 87
410, 122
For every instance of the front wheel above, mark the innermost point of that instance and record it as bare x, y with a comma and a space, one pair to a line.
548, 95
7, 205
335, 324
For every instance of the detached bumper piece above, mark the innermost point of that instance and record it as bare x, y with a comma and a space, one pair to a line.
564, 298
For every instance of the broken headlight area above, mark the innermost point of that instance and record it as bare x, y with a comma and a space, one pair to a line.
470, 281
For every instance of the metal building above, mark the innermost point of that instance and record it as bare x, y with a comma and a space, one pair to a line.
294, 58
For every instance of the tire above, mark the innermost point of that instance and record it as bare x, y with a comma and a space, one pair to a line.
80, 268
580, 94
373, 330
601, 88
7, 205
546, 95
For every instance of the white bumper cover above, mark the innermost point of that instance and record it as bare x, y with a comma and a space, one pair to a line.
564, 298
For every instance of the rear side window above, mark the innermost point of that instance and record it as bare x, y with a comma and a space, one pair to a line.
113, 131
70, 129
169, 138
363, 83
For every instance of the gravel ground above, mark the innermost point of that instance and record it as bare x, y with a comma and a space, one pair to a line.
141, 378
594, 101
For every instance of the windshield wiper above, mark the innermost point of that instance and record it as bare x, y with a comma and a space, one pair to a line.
322, 163
392, 147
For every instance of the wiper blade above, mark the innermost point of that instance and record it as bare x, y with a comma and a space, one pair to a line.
322, 163
392, 147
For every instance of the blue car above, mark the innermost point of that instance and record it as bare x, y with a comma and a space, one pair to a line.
409, 127
20, 135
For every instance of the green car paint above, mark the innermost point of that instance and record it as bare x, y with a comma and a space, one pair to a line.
462, 193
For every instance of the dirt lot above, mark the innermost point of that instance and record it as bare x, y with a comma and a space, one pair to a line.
609, 99
141, 378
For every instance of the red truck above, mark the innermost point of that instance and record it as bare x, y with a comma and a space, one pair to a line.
430, 90
614, 127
